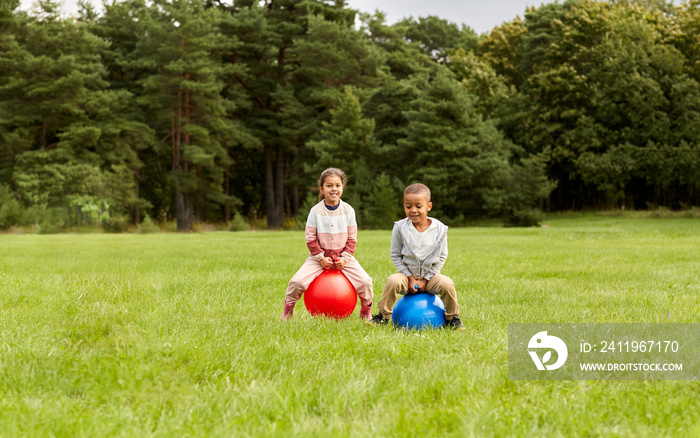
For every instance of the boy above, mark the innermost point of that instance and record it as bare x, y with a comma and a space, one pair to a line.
418, 250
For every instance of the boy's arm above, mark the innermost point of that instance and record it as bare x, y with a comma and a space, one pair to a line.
395, 251
437, 266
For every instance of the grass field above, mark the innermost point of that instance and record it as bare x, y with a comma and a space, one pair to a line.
179, 335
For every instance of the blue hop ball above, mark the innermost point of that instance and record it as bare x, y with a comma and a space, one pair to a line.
421, 310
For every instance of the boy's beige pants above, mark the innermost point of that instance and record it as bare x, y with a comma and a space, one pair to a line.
398, 284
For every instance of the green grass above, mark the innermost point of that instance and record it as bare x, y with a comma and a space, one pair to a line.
178, 335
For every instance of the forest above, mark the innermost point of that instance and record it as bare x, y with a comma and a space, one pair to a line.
210, 111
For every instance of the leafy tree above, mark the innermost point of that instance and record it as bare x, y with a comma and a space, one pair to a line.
642, 98
437, 37
601, 85
502, 48
481, 80
665, 6
685, 39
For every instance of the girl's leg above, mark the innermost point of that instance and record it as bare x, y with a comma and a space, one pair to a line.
360, 280
362, 283
301, 280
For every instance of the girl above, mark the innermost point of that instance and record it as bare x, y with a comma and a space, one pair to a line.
331, 235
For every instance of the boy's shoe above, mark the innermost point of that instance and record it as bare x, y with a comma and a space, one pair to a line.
288, 312
366, 312
377, 319
455, 323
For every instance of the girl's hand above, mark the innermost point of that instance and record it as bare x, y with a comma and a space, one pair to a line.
326, 263
422, 284
339, 263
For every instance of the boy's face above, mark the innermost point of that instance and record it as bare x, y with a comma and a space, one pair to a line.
416, 206
332, 189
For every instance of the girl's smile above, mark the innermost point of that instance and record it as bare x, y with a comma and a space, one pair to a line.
332, 190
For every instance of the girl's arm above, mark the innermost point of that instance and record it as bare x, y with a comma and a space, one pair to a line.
312, 237
351, 243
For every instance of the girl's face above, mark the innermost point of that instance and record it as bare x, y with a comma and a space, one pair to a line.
332, 190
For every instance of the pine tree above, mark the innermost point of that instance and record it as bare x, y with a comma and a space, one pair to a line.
437, 37
346, 141
63, 124
455, 152
12, 140
298, 55
181, 51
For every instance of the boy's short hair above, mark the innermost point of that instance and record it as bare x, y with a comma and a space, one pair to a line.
418, 189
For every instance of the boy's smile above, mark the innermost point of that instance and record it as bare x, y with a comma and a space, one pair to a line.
332, 190
417, 206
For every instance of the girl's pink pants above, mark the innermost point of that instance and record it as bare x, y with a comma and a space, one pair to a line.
312, 269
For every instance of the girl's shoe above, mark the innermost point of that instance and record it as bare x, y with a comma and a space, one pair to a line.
288, 312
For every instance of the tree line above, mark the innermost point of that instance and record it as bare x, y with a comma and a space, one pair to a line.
205, 110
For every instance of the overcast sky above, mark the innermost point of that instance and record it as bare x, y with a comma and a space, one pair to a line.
480, 15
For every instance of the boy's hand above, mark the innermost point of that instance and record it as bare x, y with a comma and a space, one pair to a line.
339, 263
412, 283
326, 262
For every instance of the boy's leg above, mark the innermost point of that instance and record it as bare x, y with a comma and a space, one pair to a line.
301, 280
395, 284
362, 284
444, 286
